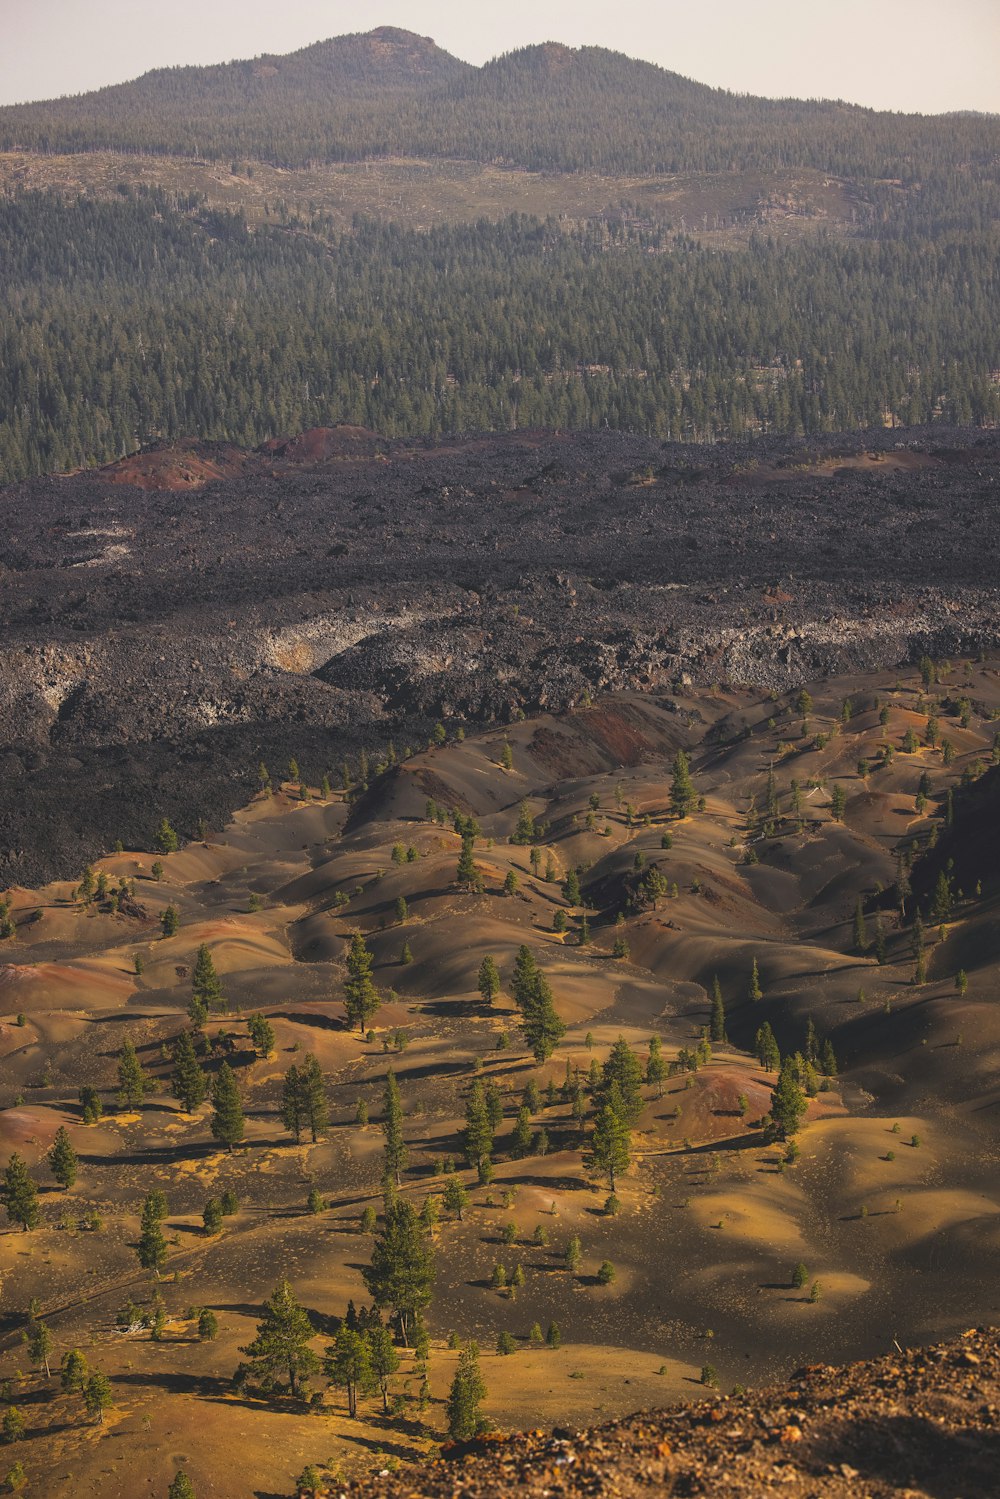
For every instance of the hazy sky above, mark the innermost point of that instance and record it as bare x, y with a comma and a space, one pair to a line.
926, 55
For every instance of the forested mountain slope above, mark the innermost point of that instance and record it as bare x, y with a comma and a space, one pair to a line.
545, 107
141, 319
820, 267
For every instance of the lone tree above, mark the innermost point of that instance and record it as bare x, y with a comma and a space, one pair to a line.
717, 1023
131, 1078
468, 1391
467, 875
401, 1273
348, 1364
181, 1488
788, 1101
392, 1128
152, 1246
455, 1196
477, 1137
97, 1396
39, 1341
360, 998
20, 1195
611, 1142
489, 979
682, 792
206, 989
187, 1081
754, 991
540, 1024
292, 1110
623, 1071
166, 839
62, 1158
281, 1346
228, 1123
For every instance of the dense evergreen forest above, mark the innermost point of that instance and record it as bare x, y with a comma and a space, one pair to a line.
150, 316
544, 108
144, 317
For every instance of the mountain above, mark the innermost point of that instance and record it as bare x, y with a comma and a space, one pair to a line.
256, 108
546, 107
574, 239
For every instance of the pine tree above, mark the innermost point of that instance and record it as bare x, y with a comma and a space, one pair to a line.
571, 888
131, 1079
524, 832
292, 1110
623, 1071
392, 1127
489, 979
755, 992
540, 1024
187, 1081
611, 1141
788, 1101
717, 1023
73, 1371
206, 990
152, 1246
360, 998
455, 1197
170, 921
228, 1123
40, 1345
281, 1345
766, 1048
467, 875
97, 1395
860, 928
384, 1360
182, 1487
166, 838
656, 1068
682, 792
478, 1136
348, 1364
315, 1108
468, 1391
401, 1273
493, 1099
62, 1158
261, 1033
523, 1132
211, 1216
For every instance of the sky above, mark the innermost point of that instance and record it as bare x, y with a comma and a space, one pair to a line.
923, 55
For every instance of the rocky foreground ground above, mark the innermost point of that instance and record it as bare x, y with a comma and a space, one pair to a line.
924, 1423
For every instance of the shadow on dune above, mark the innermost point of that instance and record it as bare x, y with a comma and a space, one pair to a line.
913, 1452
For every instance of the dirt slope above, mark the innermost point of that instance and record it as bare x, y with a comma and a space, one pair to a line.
920, 1423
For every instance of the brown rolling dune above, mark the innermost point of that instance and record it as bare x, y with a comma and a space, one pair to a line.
891, 1206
